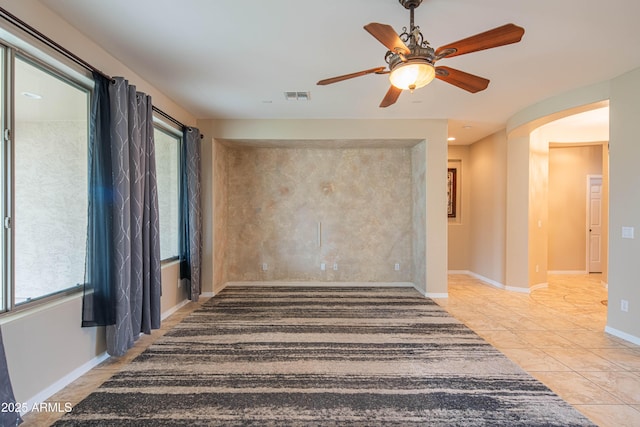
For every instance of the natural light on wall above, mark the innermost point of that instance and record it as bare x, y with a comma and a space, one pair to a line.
167, 168
50, 187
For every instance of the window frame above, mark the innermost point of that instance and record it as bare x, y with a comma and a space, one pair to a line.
172, 131
12, 49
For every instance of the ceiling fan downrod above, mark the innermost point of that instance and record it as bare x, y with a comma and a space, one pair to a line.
411, 5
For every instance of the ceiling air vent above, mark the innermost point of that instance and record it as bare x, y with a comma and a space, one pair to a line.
297, 96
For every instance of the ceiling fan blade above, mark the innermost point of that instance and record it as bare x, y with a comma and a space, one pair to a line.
499, 36
466, 81
386, 35
377, 70
391, 97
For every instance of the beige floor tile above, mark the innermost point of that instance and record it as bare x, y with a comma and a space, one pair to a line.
503, 339
581, 360
545, 339
624, 385
592, 339
611, 415
534, 360
482, 323
626, 357
575, 389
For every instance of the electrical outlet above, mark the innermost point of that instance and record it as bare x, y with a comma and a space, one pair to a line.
624, 305
323, 266
265, 266
397, 266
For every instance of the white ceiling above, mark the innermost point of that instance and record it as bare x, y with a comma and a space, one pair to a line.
235, 59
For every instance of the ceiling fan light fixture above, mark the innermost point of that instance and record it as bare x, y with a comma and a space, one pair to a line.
411, 75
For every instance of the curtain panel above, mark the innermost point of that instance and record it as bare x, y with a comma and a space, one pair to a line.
190, 213
98, 304
135, 235
9, 415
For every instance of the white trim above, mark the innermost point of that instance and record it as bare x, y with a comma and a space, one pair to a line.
517, 289
625, 336
19, 313
567, 272
497, 284
434, 295
481, 278
174, 309
321, 284
65, 381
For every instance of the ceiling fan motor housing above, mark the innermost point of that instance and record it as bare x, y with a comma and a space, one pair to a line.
425, 53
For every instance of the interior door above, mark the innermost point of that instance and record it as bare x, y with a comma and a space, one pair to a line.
595, 224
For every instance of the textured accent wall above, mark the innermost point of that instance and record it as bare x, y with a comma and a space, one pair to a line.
419, 212
220, 213
295, 208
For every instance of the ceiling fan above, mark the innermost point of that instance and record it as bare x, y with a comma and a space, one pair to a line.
411, 60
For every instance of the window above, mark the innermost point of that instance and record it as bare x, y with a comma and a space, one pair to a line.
44, 181
168, 142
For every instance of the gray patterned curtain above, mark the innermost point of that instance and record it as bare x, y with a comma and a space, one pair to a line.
190, 212
135, 218
8, 417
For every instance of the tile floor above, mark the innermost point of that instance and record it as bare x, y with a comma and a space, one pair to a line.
555, 334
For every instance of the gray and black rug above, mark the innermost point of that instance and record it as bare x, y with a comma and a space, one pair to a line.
264, 356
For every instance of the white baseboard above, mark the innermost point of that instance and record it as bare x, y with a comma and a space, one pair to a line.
434, 295
491, 281
174, 309
320, 284
567, 272
625, 336
479, 277
65, 381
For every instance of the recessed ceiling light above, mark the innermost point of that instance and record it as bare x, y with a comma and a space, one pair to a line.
467, 127
31, 95
451, 138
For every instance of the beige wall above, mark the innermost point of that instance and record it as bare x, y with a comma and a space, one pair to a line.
569, 167
624, 205
538, 209
419, 213
517, 223
488, 171
459, 227
295, 208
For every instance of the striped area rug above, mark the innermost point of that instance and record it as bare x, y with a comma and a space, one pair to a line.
262, 356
